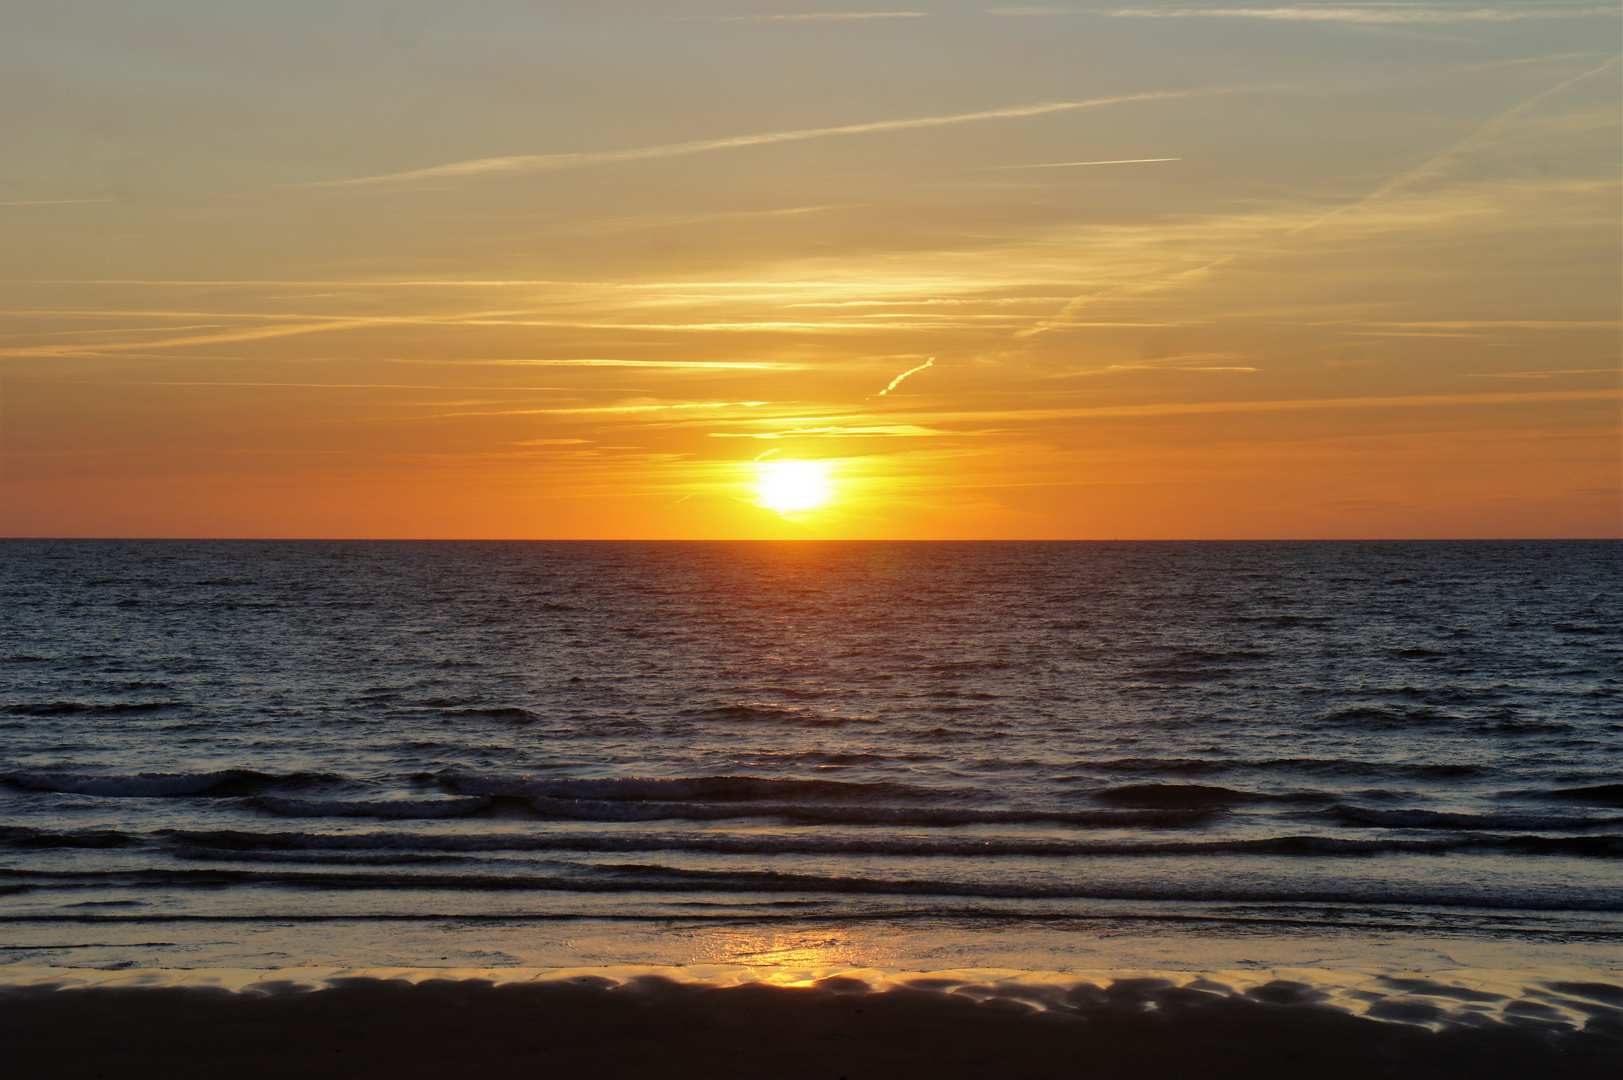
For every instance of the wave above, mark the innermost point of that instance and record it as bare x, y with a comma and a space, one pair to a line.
775, 714
698, 798
560, 876
20, 836
811, 814
1322, 766
709, 789
1194, 796
679, 789
800, 813
225, 843
217, 784
834, 757
749, 844
511, 714
663, 877
1384, 718
1184, 674
89, 708
377, 808
1596, 794
1435, 819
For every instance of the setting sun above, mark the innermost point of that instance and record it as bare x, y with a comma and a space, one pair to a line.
792, 486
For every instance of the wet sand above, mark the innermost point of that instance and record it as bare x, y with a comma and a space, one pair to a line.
677, 1023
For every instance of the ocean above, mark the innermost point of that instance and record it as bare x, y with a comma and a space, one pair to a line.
1028, 757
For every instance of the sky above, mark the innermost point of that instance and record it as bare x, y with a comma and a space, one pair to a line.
529, 269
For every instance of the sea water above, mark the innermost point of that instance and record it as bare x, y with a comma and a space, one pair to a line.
1045, 756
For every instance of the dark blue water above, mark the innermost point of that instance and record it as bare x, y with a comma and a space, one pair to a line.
311, 745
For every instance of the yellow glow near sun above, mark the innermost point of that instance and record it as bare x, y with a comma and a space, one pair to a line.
792, 486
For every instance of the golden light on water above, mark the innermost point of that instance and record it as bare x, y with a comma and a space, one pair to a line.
791, 487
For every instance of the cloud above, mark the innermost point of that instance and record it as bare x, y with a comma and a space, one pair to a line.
323, 386
628, 409
1212, 361
933, 301
1514, 324
809, 16
719, 365
1194, 408
1477, 139
897, 381
930, 421
1360, 13
888, 430
1072, 164
555, 162
1540, 374
56, 202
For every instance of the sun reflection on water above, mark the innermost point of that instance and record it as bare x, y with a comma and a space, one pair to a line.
779, 950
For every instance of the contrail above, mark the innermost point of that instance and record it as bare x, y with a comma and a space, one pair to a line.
54, 202
1069, 164
897, 381
1396, 183
1363, 13
1436, 164
554, 162
813, 16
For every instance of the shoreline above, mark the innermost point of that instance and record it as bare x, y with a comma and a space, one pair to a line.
738, 1021
1353, 989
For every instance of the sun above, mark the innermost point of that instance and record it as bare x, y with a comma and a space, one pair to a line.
791, 487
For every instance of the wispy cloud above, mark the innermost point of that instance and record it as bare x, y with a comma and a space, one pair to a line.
627, 409
1196, 408
869, 430
56, 202
1073, 164
1366, 13
1542, 374
897, 381
1222, 362
555, 162
1442, 161
625, 224
920, 421
808, 16
934, 301
717, 365
1514, 324
319, 386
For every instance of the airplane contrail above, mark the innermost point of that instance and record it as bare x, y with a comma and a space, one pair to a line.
897, 381
554, 162
1069, 164
1433, 166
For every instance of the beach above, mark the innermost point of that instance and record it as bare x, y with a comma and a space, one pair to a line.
792, 1023
779, 540
820, 810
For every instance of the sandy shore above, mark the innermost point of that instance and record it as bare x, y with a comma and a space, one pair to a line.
719, 1023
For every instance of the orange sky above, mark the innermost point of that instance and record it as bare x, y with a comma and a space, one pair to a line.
507, 269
